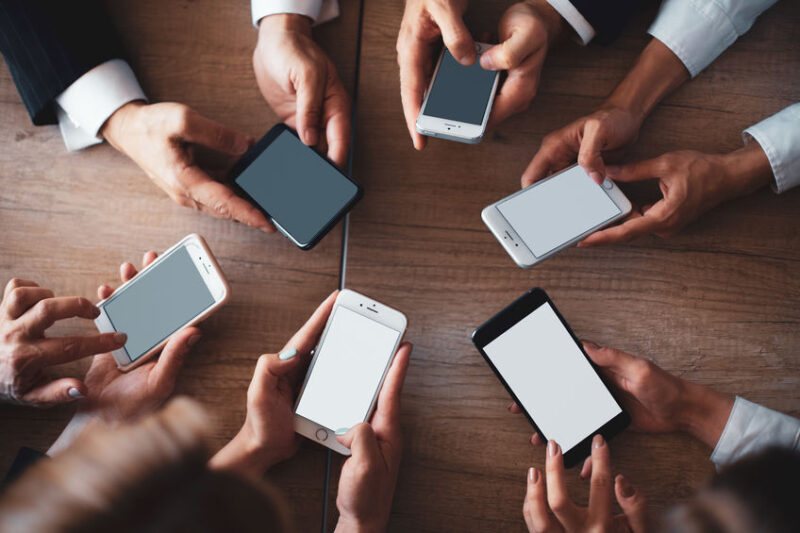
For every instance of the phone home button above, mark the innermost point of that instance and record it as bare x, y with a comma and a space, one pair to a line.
322, 434
608, 184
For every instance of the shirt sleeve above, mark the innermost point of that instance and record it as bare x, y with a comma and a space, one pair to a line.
779, 137
698, 31
752, 428
318, 11
92, 99
575, 19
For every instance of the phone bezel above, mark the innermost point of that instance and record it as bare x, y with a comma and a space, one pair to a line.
516, 247
510, 316
253, 154
455, 130
210, 272
368, 308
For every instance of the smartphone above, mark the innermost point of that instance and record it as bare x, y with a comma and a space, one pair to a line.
459, 99
350, 362
539, 360
299, 190
183, 286
552, 214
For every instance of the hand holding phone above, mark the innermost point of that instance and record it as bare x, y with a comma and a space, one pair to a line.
349, 366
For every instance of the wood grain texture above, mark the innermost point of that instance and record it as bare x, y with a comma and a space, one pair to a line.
719, 304
69, 220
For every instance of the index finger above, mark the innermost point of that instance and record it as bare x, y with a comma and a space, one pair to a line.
46, 312
386, 420
636, 226
558, 499
600, 493
220, 201
415, 63
307, 336
336, 117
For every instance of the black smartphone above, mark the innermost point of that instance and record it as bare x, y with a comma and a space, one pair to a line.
299, 190
541, 363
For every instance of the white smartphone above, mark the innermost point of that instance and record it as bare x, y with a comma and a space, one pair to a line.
180, 288
346, 374
554, 213
459, 99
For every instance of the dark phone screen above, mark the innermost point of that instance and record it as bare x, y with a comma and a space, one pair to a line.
460, 93
297, 187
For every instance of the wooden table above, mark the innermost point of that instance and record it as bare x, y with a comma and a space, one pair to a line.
719, 304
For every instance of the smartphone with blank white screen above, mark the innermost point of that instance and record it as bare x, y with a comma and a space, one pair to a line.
183, 286
459, 99
554, 213
349, 365
541, 363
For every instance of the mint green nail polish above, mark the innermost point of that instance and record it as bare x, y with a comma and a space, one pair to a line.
342, 431
287, 354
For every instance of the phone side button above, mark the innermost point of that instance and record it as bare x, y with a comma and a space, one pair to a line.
607, 184
322, 435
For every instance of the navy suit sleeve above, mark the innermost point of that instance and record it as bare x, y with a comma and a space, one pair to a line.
607, 17
48, 44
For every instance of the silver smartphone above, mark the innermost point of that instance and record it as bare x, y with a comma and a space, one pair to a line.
552, 214
459, 99
349, 365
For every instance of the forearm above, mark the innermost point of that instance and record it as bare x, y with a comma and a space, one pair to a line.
705, 413
350, 525
656, 73
747, 170
243, 456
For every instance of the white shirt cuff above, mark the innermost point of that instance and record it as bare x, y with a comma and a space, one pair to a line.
698, 31
318, 11
779, 137
752, 428
574, 18
91, 99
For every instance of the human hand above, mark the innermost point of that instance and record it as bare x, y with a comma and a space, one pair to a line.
267, 436
300, 82
568, 516
526, 31
369, 475
424, 22
115, 396
26, 312
659, 402
161, 139
603, 133
691, 183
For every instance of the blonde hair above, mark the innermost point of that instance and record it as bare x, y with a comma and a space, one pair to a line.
151, 475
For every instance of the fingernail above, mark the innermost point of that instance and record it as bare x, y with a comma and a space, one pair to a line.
287, 354
193, 340
487, 63
120, 338
510, 406
96, 311
242, 145
533, 475
591, 345
596, 176
466, 59
625, 487
598, 441
342, 431
612, 169
75, 393
552, 448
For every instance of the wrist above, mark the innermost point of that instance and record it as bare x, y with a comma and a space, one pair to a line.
350, 524
113, 127
284, 22
705, 413
243, 455
553, 21
746, 169
656, 73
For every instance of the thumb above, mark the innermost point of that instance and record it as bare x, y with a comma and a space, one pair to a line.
362, 442
632, 502
455, 34
55, 392
643, 170
211, 134
169, 363
590, 155
509, 54
310, 91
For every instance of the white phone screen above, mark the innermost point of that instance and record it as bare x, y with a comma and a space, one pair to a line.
159, 302
558, 210
348, 369
556, 385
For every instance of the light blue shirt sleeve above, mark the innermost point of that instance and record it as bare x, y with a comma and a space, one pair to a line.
779, 137
318, 11
752, 428
698, 31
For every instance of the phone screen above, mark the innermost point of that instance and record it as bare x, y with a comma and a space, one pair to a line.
347, 371
558, 210
552, 379
460, 93
297, 187
159, 302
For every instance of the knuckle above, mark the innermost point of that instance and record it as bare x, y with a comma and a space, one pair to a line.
557, 502
14, 283
600, 482
14, 297
180, 118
